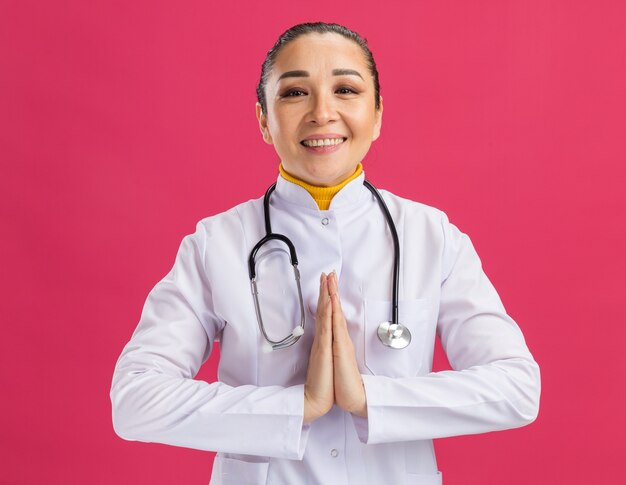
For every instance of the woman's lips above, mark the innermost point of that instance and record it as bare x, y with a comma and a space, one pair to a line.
323, 145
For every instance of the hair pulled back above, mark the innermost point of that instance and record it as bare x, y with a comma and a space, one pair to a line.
318, 28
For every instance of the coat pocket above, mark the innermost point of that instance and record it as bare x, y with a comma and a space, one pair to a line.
416, 315
228, 471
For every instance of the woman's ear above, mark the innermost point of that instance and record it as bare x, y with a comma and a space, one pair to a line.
263, 124
379, 120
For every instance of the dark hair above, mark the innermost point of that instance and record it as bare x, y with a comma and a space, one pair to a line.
319, 28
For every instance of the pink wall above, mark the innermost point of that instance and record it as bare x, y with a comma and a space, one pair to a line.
121, 123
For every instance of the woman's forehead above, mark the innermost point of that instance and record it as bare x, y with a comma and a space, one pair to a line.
316, 50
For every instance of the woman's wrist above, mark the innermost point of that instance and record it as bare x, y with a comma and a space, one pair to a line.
361, 411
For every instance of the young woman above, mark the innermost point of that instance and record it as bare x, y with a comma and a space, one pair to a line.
325, 367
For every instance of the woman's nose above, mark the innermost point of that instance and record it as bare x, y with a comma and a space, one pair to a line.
323, 110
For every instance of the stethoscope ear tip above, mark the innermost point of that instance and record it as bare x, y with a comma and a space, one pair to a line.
267, 348
298, 331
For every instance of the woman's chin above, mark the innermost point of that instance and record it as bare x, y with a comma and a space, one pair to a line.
323, 173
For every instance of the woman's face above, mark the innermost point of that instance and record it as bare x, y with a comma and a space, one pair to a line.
321, 116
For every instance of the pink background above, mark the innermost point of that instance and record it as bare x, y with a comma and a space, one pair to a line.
123, 123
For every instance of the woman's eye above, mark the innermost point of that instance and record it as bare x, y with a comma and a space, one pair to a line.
293, 93
346, 90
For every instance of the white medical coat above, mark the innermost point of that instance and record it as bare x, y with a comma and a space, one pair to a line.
253, 415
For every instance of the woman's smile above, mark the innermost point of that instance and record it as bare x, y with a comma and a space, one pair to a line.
322, 144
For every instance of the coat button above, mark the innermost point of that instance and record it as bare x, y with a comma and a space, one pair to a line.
325, 221
334, 453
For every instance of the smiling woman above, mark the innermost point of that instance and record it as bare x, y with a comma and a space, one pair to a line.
320, 107
348, 396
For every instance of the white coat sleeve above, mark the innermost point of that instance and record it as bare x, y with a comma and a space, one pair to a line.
494, 383
155, 397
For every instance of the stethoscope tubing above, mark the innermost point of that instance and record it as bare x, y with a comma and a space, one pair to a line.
386, 335
396, 250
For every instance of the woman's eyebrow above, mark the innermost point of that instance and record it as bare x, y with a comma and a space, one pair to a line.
346, 72
336, 72
293, 74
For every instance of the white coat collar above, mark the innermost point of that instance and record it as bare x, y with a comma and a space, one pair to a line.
295, 194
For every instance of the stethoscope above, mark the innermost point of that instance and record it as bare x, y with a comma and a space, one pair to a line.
392, 334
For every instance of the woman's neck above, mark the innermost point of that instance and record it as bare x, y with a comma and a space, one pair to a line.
321, 195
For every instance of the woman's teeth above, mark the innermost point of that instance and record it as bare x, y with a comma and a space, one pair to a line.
325, 142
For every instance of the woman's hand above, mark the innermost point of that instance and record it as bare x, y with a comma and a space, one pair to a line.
318, 389
348, 384
333, 375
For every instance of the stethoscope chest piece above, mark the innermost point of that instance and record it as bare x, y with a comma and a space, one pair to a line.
394, 335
